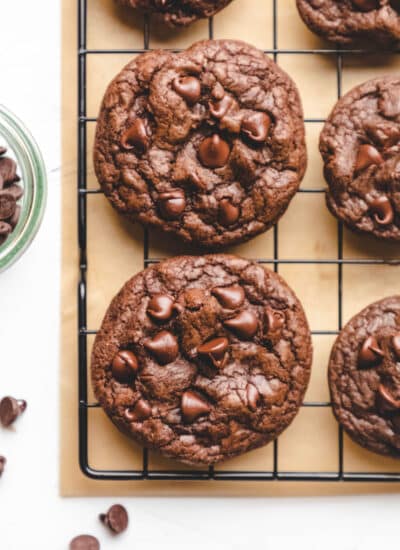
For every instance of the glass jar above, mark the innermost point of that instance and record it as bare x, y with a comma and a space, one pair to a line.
30, 167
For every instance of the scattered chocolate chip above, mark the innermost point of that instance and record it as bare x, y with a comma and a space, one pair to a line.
161, 307
366, 5
8, 171
228, 213
396, 345
116, 519
15, 190
245, 324
256, 126
163, 346
216, 350
124, 366
252, 397
2, 464
219, 108
382, 210
230, 297
386, 400
189, 88
172, 204
11, 409
370, 353
7, 205
274, 320
214, 152
84, 542
141, 411
367, 156
193, 406
135, 136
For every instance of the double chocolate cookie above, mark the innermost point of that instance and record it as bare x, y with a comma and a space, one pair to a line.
360, 145
207, 144
364, 377
178, 12
373, 22
203, 358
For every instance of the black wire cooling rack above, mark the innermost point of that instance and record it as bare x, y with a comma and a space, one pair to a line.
83, 193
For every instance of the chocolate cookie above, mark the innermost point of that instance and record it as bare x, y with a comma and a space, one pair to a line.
373, 22
178, 12
364, 377
361, 152
203, 358
207, 144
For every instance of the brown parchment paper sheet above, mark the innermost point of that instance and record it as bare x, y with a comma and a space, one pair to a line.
115, 252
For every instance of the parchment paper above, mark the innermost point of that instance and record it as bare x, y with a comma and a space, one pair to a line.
115, 253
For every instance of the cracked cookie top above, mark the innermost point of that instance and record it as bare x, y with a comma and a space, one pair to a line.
360, 145
207, 144
203, 358
364, 377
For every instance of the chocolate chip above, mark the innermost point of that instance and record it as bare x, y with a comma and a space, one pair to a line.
116, 519
382, 210
15, 190
2, 464
7, 205
256, 126
219, 108
11, 409
228, 213
245, 324
193, 406
189, 88
389, 102
161, 307
163, 346
386, 401
396, 345
8, 171
214, 152
5, 229
366, 5
15, 217
215, 350
135, 136
230, 297
84, 542
124, 366
252, 397
172, 204
367, 156
274, 320
370, 353
141, 411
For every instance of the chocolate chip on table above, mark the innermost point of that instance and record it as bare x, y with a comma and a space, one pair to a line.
116, 519
84, 542
11, 409
8, 205
2, 464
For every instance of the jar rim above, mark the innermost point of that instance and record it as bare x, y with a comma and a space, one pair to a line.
30, 162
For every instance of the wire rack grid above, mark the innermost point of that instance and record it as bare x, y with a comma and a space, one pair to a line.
145, 473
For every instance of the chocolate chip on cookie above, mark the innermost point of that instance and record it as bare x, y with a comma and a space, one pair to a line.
222, 357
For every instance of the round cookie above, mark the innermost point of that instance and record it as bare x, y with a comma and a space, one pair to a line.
361, 151
364, 377
203, 358
178, 12
207, 144
373, 22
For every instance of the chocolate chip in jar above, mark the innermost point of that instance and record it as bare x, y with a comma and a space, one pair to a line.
10, 195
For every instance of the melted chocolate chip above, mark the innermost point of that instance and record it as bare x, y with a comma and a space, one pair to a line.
161, 307
386, 400
172, 204
135, 137
367, 156
382, 210
11, 409
164, 347
274, 320
252, 397
84, 542
216, 350
370, 353
228, 213
230, 297
366, 5
219, 108
124, 366
141, 411
214, 152
396, 345
189, 88
116, 519
245, 324
256, 126
193, 406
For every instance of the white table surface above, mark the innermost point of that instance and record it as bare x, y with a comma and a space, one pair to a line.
32, 515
